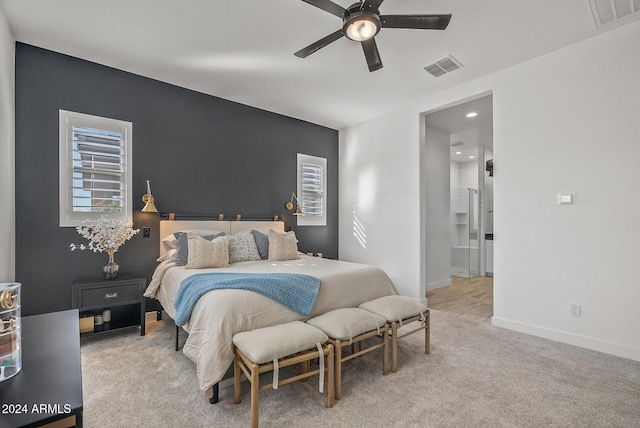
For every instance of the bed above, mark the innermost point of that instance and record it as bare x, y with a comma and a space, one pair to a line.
221, 313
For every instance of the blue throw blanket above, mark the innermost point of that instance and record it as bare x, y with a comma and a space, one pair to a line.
295, 291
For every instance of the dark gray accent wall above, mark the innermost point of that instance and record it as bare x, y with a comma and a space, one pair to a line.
203, 155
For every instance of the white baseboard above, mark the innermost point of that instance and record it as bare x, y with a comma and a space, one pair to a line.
438, 284
594, 344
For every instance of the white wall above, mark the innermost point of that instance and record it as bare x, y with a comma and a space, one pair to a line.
7, 150
379, 173
563, 122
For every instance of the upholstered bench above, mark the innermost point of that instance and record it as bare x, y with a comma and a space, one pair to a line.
272, 348
352, 325
399, 310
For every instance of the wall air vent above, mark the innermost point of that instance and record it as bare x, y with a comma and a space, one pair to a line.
444, 66
607, 12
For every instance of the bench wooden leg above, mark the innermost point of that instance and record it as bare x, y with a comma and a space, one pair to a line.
394, 347
385, 351
255, 392
337, 349
330, 376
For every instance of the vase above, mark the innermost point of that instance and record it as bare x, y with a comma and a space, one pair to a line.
111, 269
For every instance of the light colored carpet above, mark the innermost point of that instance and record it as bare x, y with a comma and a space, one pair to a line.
476, 376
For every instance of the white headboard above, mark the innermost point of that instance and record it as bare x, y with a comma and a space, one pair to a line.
168, 227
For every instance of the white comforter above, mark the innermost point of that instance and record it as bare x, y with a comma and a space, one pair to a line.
220, 314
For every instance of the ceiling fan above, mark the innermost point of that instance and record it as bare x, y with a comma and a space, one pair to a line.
362, 21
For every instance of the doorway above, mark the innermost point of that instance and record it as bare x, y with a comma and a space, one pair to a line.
458, 149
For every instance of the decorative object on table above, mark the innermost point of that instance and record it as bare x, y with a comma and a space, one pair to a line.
97, 320
10, 349
148, 199
86, 324
289, 205
107, 235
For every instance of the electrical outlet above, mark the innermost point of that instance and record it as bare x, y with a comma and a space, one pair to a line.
576, 310
146, 232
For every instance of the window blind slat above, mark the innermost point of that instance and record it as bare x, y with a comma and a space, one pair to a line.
98, 189
94, 180
95, 133
115, 156
110, 172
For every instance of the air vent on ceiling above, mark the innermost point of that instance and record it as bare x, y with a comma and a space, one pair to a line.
607, 12
457, 143
444, 66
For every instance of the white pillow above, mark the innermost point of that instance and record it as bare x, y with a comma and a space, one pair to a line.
283, 245
170, 241
207, 254
171, 254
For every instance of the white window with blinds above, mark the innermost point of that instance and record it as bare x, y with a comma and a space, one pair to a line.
312, 190
95, 168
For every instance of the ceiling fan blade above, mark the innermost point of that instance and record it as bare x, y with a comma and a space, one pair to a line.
313, 47
372, 55
371, 5
420, 22
328, 6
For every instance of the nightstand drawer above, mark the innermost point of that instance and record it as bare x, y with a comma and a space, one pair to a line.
105, 296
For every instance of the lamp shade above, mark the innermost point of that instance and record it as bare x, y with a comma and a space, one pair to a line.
289, 205
148, 199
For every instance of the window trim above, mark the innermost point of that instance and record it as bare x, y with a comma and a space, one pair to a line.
67, 120
305, 219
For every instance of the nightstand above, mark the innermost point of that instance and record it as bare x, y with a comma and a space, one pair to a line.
123, 297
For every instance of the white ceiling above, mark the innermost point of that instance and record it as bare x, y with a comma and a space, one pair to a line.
242, 50
472, 132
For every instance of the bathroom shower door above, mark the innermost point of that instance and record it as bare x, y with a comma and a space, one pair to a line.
465, 220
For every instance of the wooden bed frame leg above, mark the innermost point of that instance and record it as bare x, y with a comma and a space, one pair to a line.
237, 385
216, 394
177, 333
427, 333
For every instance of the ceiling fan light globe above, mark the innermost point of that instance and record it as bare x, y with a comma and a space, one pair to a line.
361, 27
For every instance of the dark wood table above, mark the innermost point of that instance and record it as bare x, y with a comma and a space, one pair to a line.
49, 386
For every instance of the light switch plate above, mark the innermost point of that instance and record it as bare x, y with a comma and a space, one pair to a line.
566, 198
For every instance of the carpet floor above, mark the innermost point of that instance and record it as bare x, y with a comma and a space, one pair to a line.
476, 376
